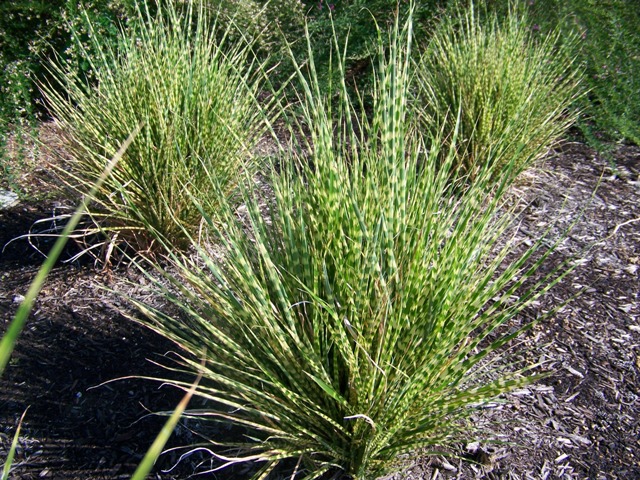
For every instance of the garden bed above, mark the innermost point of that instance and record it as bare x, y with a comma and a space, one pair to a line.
583, 421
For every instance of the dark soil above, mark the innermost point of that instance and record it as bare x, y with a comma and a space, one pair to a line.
581, 422
75, 427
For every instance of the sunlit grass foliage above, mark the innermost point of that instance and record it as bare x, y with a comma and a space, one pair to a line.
194, 95
513, 89
348, 323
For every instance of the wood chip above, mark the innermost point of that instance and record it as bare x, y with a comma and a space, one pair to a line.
573, 371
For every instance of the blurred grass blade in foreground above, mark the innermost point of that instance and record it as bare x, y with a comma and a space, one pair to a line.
8, 463
156, 448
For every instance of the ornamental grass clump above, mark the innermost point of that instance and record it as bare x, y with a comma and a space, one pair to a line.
349, 322
513, 89
193, 94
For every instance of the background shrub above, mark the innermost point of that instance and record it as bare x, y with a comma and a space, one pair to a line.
267, 23
608, 50
32, 30
282, 24
602, 35
23, 26
356, 20
192, 94
348, 324
512, 92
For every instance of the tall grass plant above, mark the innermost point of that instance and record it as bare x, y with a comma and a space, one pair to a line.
510, 92
346, 320
194, 94
607, 50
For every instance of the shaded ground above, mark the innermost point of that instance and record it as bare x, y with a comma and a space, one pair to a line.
73, 343
582, 422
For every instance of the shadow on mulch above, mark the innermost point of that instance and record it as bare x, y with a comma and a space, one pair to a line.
75, 428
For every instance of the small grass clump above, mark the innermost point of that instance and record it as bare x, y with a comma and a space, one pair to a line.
349, 323
512, 90
193, 95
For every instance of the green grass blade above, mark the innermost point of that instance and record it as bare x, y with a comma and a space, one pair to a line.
158, 444
12, 451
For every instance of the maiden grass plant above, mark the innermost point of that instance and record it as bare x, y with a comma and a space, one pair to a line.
512, 88
350, 323
192, 91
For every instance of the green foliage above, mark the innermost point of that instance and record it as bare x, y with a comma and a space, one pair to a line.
280, 25
358, 21
30, 31
346, 321
194, 96
13, 153
266, 23
22, 24
512, 92
610, 41
607, 50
